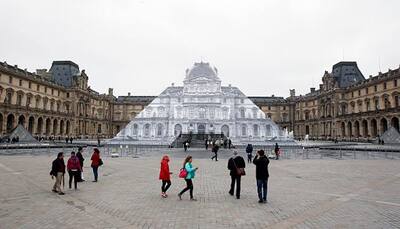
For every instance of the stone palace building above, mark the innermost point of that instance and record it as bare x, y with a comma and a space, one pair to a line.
59, 102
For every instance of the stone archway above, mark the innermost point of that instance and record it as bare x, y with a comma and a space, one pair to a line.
10, 122
61, 127
48, 121
201, 129
350, 129
39, 128
225, 130
364, 125
67, 128
395, 123
55, 126
343, 128
177, 129
356, 129
21, 120
374, 128
383, 125
31, 122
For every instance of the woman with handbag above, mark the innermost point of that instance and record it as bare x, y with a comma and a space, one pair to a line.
96, 162
165, 176
187, 166
236, 166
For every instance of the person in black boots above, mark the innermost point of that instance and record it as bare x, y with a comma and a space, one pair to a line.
276, 151
262, 175
81, 159
74, 170
236, 166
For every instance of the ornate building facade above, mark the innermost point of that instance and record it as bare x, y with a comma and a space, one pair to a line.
58, 102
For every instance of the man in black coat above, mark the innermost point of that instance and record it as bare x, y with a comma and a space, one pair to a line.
81, 159
234, 163
262, 175
58, 171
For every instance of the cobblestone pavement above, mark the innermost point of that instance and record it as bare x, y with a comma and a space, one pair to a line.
302, 194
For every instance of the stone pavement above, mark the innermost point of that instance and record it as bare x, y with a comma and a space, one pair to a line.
302, 194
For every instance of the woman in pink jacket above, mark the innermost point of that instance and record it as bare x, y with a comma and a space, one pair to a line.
74, 169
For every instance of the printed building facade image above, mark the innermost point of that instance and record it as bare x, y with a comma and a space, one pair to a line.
59, 102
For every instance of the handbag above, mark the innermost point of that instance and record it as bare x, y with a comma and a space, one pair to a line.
183, 173
100, 162
239, 171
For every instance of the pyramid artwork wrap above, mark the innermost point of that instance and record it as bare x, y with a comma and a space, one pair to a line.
202, 107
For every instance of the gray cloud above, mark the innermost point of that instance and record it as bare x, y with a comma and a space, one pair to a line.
263, 47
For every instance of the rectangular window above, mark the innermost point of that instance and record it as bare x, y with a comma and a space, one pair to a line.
19, 100
30, 85
395, 83
376, 88
352, 94
37, 87
20, 83
384, 86
359, 92
28, 101
10, 79
366, 91
67, 94
45, 89
58, 93
52, 91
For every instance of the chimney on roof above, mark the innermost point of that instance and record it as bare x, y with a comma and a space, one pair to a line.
173, 84
321, 86
292, 92
110, 91
129, 94
312, 89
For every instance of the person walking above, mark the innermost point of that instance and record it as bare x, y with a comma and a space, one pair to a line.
236, 166
276, 151
215, 149
58, 171
185, 145
229, 143
96, 162
249, 151
81, 159
262, 175
206, 144
187, 165
165, 176
74, 170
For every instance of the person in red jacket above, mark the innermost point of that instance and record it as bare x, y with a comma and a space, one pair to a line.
96, 162
74, 169
165, 176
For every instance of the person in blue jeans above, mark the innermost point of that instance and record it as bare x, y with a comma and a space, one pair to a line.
262, 175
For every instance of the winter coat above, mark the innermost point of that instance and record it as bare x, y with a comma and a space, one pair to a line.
190, 170
74, 164
249, 149
58, 166
261, 167
80, 157
239, 162
164, 169
95, 159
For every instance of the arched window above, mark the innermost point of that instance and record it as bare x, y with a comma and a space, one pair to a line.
244, 130
202, 112
242, 113
135, 129
159, 130
146, 130
255, 130
268, 130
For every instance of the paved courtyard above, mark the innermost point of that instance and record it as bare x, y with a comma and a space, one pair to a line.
315, 193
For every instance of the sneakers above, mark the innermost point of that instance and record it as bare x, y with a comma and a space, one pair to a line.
61, 193
261, 201
164, 195
53, 190
193, 199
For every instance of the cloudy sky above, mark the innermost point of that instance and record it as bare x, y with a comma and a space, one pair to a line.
142, 46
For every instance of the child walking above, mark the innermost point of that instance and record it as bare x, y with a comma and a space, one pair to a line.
165, 176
